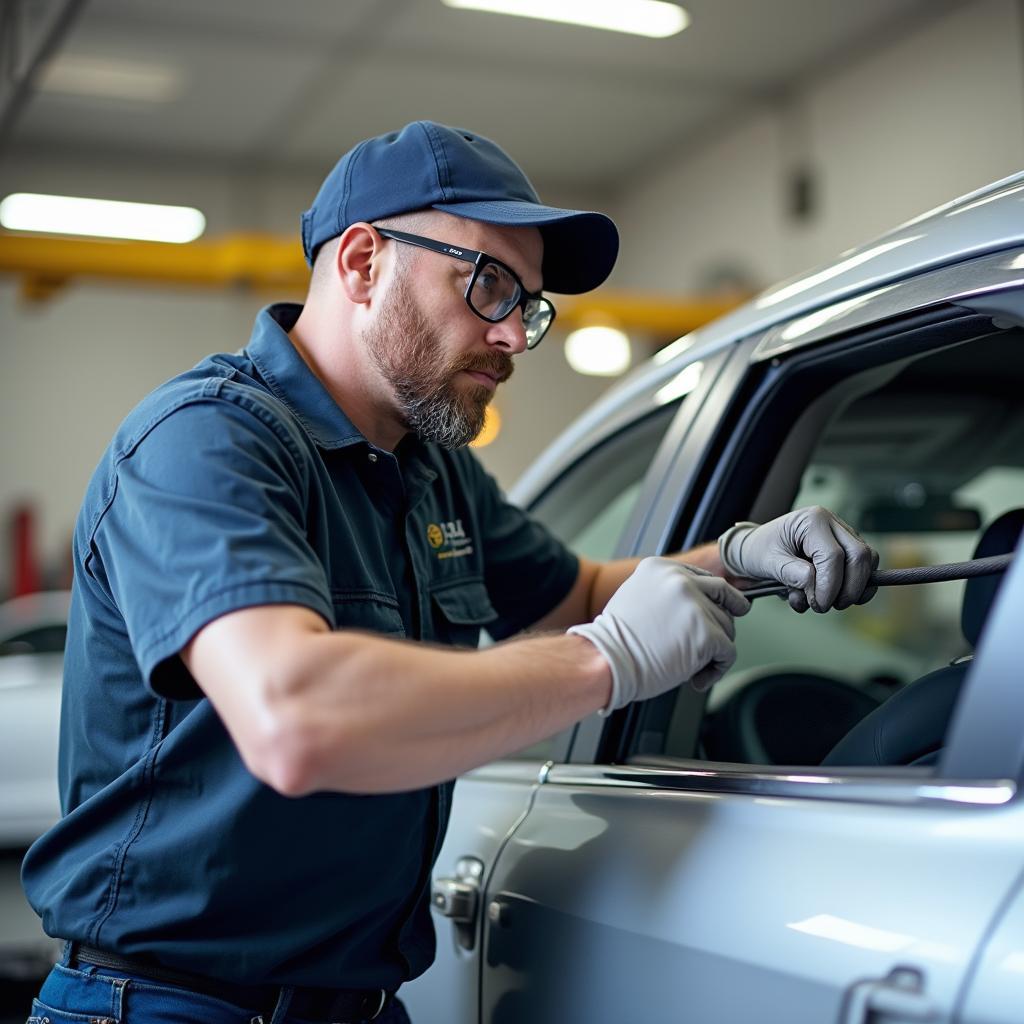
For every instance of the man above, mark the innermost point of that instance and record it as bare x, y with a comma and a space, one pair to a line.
256, 761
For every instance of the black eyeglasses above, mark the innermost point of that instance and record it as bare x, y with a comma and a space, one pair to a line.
494, 290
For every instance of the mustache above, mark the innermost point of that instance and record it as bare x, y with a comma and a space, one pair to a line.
495, 364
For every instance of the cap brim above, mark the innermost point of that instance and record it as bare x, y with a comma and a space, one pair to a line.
580, 247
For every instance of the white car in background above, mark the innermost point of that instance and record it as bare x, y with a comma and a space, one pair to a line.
32, 632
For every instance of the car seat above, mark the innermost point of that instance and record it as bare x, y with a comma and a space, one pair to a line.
910, 727
784, 717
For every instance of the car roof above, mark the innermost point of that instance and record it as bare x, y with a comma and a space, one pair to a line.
988, 220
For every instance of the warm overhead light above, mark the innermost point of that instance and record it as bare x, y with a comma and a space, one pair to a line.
653, 18
490, 430
106, 78
103, 218
598, 351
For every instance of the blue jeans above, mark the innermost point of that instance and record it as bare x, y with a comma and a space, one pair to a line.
98, 995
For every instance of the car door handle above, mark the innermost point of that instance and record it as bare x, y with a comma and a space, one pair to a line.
458, 899
454, 899
898, 998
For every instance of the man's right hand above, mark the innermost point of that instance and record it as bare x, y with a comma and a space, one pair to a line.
668, 623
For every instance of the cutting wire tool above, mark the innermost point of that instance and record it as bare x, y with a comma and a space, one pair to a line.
904, 577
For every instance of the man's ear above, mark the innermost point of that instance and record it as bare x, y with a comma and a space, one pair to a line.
359, 261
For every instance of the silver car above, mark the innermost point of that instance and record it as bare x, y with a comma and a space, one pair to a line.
834, 833
32, 632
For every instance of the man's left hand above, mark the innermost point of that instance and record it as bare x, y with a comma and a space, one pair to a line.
823, 561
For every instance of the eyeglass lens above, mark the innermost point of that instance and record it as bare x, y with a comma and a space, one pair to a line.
496, 292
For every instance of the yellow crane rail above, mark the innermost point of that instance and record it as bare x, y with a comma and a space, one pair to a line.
265, 263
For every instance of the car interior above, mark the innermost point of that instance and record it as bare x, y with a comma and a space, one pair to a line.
929, 468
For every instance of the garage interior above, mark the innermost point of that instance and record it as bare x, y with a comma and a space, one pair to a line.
763, 140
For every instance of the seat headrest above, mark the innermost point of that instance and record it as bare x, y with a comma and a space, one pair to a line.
999, 538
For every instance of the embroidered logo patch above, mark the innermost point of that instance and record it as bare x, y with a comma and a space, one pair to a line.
449, 539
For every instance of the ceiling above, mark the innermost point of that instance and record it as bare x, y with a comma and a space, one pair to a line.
292, 85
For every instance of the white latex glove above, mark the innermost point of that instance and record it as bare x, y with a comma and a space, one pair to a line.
667, 623
822, 559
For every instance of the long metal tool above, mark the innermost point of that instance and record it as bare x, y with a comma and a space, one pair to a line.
905, 577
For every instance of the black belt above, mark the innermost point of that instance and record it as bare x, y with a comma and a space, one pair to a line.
339, 1006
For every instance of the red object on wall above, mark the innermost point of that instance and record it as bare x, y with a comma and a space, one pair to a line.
27, 577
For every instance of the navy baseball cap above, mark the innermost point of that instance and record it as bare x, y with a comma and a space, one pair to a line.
429, 165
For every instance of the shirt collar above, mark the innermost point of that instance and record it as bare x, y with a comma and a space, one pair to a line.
293, 382
301, 390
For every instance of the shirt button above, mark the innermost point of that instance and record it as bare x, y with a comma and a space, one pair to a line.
372, 456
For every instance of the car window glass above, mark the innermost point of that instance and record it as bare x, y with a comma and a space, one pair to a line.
904, 467
588, 508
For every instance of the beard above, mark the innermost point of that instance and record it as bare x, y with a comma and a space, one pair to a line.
408, 352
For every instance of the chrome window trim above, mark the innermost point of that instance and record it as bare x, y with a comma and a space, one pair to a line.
792, 783
507, 771
956, 284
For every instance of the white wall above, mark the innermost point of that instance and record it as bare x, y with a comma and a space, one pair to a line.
917, 121
709, 205
892, 132
73, 366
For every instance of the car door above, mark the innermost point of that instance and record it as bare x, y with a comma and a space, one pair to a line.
649, 882
586, 496
995, 991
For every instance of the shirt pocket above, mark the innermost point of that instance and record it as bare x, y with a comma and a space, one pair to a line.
461, 608
369, 610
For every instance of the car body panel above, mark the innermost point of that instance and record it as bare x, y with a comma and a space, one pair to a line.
632, 904
724, 894
998, 978
491, 801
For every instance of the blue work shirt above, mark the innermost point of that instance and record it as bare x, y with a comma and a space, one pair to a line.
240, 483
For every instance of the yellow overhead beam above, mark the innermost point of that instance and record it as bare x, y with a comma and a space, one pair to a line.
659, 315
269, 264
254, 261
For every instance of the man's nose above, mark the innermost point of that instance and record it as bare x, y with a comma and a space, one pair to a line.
509, 334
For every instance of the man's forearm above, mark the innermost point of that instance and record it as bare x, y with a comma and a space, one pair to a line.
365, 714
445, 712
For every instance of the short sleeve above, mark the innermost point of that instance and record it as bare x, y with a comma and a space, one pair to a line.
206, 516
527, 570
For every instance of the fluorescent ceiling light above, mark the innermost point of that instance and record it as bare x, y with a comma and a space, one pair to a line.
598, 351
102, 218
653, 18
111, 79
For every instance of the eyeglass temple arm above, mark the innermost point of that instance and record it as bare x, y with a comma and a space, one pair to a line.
469, 255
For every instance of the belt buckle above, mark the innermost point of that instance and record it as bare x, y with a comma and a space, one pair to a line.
376, 1013
380, 1005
